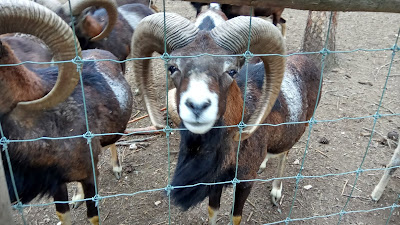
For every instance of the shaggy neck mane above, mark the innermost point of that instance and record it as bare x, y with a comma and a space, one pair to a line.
201, 158
17, 83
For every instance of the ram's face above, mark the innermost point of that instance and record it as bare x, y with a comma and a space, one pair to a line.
202, 84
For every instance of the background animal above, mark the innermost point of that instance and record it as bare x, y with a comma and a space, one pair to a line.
232, 11
104, 24
393, 165
32, 108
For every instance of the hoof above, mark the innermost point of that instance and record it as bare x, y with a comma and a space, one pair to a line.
77, 203
117, 172
260, 170
376, 195
276, 195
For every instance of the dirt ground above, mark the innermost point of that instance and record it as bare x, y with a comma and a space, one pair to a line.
351, 90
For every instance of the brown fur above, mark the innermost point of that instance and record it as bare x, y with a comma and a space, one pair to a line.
28, 48
20, 86
234, 104
232, 11
90, 27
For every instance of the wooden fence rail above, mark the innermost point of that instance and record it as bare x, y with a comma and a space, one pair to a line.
319, 5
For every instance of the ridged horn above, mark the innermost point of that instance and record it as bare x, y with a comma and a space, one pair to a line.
173, 108
149, 38
265, 39
53, 5
109, 5
31, 18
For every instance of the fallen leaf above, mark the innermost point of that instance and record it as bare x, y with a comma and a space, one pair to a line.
307, 187
133, 147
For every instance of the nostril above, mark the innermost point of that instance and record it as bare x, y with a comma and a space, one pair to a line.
198, 108
190, 104
207, 104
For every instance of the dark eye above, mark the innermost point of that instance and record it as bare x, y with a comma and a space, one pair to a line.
232, 72
172, 69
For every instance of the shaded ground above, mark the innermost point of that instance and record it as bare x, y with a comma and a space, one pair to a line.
353, 89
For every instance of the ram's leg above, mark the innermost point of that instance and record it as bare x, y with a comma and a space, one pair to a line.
117, 168
62, 209
263, 164
154, 7
276, 192
241, 194
283, 30
395, 161
214, 200
79, 195
282, 22
89, 190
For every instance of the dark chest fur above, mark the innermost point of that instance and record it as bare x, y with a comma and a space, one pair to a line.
201, 158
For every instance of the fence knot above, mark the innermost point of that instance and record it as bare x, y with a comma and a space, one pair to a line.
298, 178
167, 130
396, 48
168, 189
248, 55
241, 125
342, 212
287, 220
359, 171
18, 205
78, 62
4, 141
96, 199
166, 57
235, 181
377, 115
325, 51
88, 135
312, 121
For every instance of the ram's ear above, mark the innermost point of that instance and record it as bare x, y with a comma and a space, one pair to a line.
91, 27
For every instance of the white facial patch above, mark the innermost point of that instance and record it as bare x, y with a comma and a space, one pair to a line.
131, 17
215, 6
198, 94
291, 92
214, 16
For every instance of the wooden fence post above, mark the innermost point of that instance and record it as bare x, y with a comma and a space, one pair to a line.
5, 205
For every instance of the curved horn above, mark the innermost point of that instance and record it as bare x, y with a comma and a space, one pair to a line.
53, 5
149, 38
173, 108
109, 5
265, 39
32, 18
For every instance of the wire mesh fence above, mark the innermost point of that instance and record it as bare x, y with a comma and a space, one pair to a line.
298, 179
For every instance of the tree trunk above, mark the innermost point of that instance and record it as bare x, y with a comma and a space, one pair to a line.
315, 37
5, 205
